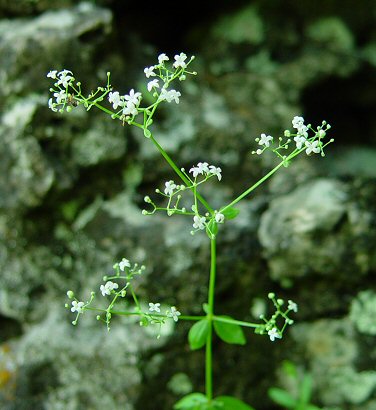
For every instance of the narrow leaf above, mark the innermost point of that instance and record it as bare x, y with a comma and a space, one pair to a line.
229, 332
282, 397
231, 403
198, 334
192, 401
230, 213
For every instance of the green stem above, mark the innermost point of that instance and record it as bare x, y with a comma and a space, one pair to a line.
181, 175
234, 322
208, 350
135, 298
123, 313
254, 186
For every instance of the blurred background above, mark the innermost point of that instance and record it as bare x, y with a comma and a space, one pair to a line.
72, 188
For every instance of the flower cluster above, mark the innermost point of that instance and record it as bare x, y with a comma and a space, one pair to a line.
61, 98
124, 272
301, 138
203, 168
173, 192
271, 326
128, 103
264, 141
158, 86
200, 222
67, 94
166, 75
311, 144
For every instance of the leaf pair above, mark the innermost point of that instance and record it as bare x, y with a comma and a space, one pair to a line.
229, 332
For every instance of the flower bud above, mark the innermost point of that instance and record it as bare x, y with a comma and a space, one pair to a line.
70, 294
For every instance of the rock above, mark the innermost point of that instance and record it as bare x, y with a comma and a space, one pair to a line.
295, 230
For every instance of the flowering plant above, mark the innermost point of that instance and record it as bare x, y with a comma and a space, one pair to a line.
128, 109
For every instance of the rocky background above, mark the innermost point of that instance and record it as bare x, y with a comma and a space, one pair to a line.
72, 188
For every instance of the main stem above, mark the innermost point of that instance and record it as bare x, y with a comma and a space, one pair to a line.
210, 313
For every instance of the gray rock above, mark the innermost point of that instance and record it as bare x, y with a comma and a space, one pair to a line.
37, 45
295, 223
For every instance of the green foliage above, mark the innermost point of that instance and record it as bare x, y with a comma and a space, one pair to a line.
198, 334
333, 32
194, 401
244, 26
198, 401
300, 400
232, 403
230, 213
229, 332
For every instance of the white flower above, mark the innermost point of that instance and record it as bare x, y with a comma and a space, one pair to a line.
274, 334
153, 84
133, 97
215, 171
297, 122
265, 140
108, 287
180, 60
302, 130
115, 99
199, 222
170, 95
51, 105
52, 74
61, 96
174, 313
194, 171
77, 306
130, 109
170, 186
162, 57
300, 141
219, 218
124, 263
149, 71
65, 78
292, 306
312, 147
154, 307
175, 95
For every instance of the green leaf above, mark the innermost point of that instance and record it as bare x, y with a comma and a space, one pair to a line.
147, 133
231, 403
193, 401
230, 213
212, 228
311, 407
305, 389
198, 334
205, 308
289, 368
229, 332
282, 397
